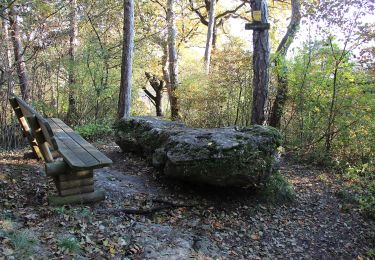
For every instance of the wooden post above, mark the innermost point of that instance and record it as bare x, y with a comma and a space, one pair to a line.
66, 185
76, 182
77, 190
25, 128
53, 169
76, 175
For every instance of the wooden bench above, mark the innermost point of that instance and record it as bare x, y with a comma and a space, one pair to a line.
69, 159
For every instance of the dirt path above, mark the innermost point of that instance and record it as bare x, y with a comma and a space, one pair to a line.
225, 224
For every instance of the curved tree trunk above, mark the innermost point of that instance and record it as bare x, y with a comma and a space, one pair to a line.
261, 55
173, 60
281, 68
127, 60
71, 116
210, 33
18, 54
157, 85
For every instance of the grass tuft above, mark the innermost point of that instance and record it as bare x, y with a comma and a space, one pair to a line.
24, 242
70, 243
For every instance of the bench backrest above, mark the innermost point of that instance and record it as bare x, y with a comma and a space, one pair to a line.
36, 125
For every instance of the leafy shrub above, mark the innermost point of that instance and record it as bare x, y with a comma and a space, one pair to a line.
360, 188
94, 131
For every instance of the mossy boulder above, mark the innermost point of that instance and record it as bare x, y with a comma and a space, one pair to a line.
230, 156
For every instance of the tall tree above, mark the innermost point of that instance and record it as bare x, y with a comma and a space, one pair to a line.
18, 52
73, 33
261, 56
173, 59
281, 67
127, 60
210, 30
7, 62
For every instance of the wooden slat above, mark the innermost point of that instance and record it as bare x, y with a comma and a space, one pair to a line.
40, 139
64, 185
28, 110
76, 175
70, 157
102, 159
77, 190
25, 127
71, 151
47, 131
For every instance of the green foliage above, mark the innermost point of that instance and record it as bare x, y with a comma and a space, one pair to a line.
60, 210
360, 188
94, 131
278, 190
80, 213
311, 101
224, 97
70, 244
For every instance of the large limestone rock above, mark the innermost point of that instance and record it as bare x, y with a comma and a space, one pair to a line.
241, 157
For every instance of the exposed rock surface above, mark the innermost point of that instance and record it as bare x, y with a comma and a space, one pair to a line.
240, 157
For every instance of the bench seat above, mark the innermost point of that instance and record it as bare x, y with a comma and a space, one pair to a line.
76, 151
69, 159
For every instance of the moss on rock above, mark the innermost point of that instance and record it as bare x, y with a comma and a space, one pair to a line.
227, 156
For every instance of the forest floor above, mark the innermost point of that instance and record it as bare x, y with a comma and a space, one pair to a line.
188, 222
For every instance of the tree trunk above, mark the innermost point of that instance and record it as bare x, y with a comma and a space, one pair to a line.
261, 54
165, 68
72, 108
6, 74
18, 54
331, 120
281, 68
173, 60
210, 31
127, 60
214, 36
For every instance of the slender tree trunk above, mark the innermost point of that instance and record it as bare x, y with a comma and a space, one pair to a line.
8, 56
281, 68
301, 97
124, 104
210, 31
331, 119
214, 36
261, 55
173, 60
165, 68
18, 54
72, 108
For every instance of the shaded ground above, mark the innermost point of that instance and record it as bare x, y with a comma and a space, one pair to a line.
224, 224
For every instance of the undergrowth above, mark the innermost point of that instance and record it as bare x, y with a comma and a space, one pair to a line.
359, 188
278, 190
94, 131
24, 243
70, 244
